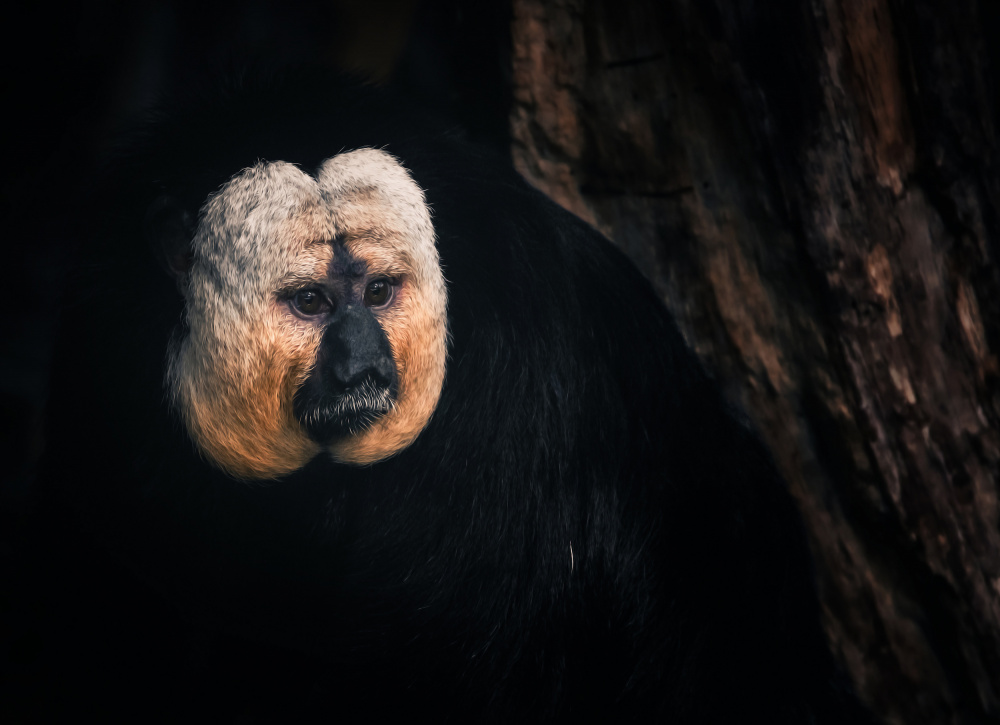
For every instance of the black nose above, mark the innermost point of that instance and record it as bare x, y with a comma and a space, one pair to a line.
355, 349
354, 381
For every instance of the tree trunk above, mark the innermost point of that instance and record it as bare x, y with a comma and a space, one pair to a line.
813, 188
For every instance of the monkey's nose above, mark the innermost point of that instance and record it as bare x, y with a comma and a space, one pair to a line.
357, 351
357, 369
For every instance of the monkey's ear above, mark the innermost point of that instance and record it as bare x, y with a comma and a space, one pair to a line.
169, 229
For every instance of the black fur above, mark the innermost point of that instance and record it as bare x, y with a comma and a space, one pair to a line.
582, 533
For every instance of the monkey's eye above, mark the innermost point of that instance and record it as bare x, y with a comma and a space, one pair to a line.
378, 292
308, 302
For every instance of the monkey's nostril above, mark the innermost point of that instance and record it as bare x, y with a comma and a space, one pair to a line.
350, 377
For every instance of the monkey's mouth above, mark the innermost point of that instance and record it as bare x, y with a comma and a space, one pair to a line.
330, 416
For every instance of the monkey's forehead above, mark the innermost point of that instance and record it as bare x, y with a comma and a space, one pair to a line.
273, 212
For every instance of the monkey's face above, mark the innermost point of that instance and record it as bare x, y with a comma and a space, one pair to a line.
316, 317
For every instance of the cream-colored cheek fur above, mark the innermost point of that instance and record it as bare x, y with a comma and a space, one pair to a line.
235, 373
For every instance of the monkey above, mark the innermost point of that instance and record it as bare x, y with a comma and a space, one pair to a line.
356, 328
348, 421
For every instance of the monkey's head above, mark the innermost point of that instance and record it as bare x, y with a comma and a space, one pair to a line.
315, 316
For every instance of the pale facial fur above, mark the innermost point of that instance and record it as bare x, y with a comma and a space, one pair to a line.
270, 229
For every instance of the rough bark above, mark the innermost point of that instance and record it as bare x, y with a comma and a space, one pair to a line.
813, 188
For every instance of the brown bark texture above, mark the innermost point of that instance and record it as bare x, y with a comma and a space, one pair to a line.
813, 186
